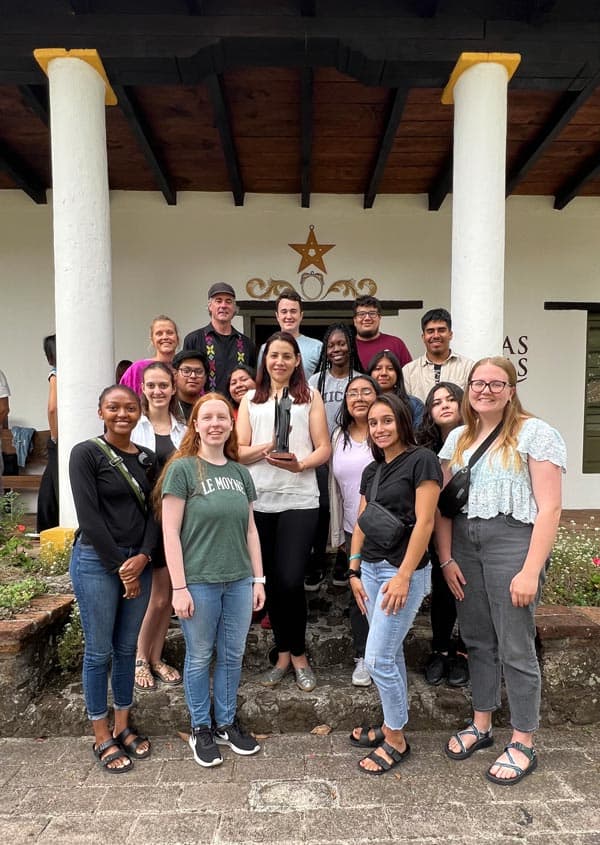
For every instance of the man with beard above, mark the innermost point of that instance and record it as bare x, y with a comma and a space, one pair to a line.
369, 340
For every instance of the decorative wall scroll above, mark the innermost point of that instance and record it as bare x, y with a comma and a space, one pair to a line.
312, 283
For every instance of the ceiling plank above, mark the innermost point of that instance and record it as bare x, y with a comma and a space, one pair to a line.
442, 185
307, 112
35, 97
387, 140
22, 175
194, 6
426, 8
560, 117
308, 8
214, 84
81, 7
139, 126
571, 187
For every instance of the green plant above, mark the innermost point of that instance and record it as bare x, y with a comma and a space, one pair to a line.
18, 594
14, 544
574, 574
53, 559
70, 642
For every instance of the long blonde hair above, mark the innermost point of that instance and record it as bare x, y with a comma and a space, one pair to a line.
190, 446
513, 418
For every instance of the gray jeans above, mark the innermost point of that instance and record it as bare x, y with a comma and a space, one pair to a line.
500, 638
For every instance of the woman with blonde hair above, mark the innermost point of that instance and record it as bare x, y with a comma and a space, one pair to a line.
493, 556
213, 555
164, 339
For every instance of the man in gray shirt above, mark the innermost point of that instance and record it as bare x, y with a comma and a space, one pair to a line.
289, 314
439, 363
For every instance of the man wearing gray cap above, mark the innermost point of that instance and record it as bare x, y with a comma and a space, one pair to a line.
221, 342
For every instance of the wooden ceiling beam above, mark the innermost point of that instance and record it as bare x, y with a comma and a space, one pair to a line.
22, 175
35, 97
442, 185
81, 7
385, 145
569, 104
426, 8
307, 110
214, 84
139, 126
571, 187
308, 8
194, 7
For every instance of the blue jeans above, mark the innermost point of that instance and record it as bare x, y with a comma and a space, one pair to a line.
111, 625
222, 614
384, 655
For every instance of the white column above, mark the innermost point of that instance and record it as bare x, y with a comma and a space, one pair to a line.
82, 257
478, 209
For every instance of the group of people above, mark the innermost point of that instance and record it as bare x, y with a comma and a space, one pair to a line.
188, 499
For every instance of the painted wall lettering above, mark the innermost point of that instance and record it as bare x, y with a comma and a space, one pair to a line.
515, 349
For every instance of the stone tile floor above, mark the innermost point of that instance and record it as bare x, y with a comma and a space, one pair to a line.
299, 789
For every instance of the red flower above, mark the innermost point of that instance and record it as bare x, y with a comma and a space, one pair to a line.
22, 528
596, 561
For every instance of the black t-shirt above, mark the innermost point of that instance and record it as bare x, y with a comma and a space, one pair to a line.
397, 485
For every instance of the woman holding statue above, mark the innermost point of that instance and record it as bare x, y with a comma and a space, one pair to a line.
282, 459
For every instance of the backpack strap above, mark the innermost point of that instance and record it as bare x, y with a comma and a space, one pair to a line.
119, 465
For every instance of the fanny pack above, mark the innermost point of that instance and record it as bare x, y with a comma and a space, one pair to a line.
455, 494
379, 524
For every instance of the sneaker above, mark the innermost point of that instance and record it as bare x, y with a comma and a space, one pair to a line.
202, 743
360, 676
239, 741
436, 669
458, 671
314, 580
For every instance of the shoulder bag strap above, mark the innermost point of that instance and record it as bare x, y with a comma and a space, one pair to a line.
483, 447
119, 464
375, 484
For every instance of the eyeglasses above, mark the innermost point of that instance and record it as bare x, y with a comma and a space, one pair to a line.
192, 371
354, 394
363, 315
478, 386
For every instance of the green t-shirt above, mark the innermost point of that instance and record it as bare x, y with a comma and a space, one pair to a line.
215, 521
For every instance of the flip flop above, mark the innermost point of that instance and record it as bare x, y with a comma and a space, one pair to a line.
363, 740
521, 772
397, 758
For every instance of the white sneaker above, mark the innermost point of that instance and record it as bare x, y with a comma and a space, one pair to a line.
360, 676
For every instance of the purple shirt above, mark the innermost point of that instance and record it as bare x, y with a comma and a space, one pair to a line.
132, 377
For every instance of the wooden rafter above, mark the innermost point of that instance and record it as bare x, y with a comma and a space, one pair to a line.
139, 126
426, 8
442, 185
36, 98
306, 105
569, 190
194, 7
22, 175
308, 8
81, 7
214, 84
385, 145
561, 116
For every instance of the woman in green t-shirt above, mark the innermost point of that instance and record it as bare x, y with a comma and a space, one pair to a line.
214, 560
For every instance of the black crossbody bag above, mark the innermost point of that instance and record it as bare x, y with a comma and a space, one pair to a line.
455, 494
378, 523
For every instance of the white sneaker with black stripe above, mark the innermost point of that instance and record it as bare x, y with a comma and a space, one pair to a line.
237, 739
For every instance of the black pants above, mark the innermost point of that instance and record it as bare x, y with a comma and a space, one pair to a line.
285, 541
321, 534
359, 624
443, 608
47, 509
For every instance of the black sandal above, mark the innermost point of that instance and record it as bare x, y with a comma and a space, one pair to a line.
105, 762
521, 772
397, 758
483, 739
363, 740
130, 748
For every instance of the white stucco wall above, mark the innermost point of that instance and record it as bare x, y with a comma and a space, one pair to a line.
165, 258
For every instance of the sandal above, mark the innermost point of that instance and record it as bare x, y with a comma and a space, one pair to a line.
397, 758
105, 762
143, 673
363, 740
164, 673
521, 772
130, 748
483, 739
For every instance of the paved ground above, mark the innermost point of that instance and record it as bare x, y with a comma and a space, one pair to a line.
299, 789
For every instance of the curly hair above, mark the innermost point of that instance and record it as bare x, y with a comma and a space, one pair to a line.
513, 418
429, 433
354, 364
298, 386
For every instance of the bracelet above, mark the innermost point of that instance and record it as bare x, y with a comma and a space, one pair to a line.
354, 573
179, 588
259, 579
355, 557
447, 562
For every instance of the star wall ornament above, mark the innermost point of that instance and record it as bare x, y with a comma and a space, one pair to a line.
312, 252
